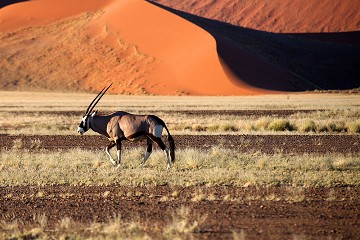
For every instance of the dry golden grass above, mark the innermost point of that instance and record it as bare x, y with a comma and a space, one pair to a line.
55, 124
193, 167
217, 166
38, 113
114, 228
50, 101
182, 226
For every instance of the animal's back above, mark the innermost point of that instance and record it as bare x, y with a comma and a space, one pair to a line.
119, 114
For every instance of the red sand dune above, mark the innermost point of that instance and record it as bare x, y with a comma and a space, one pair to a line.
185, 54
281, 16
83, 45
179, 56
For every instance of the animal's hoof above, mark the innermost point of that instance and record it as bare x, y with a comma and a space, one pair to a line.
118, 166
114, 163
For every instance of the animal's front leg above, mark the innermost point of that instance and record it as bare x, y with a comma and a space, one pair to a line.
111, 145
118, 146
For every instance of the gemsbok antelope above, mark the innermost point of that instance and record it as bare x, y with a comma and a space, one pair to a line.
120, 126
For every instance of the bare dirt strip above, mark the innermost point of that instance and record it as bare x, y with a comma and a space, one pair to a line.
289, 144
324, 214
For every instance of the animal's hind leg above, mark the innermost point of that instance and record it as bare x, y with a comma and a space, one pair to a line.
118, 146
148, 151
111, 145
163, 147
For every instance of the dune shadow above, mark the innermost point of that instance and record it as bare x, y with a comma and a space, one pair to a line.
5, 3
281, 62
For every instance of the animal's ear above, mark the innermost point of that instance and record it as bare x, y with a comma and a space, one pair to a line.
94, 113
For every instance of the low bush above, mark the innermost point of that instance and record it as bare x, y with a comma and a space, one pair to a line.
308, 126
354, 127
281, 125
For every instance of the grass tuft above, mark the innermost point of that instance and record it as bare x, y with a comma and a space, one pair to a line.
281, 125
66, 223
308, 126
239, 235
354, 127
114, 228
181, 227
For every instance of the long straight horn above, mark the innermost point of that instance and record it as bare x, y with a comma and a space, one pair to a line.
99, 96
87, 110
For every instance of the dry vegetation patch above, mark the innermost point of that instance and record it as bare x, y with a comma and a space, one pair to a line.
216, 166
171, 212
59, 113
240, 188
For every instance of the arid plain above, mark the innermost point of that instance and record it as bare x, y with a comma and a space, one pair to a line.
273, 166
261, 97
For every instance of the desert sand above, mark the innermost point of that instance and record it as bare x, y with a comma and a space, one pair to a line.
277, 15
146, 48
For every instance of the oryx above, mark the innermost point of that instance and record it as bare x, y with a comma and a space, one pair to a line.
120, 126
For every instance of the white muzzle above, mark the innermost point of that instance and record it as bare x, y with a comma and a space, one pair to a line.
81, 130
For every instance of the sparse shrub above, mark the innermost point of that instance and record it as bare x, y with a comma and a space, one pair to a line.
187, 127
336, 127
198, 128
229, 127
262, 162
213, 128
193, 163
308, 126
345, 164
178, 127
114, 227
128, 230
66, 223
322, 128
41, 220
295, 194
35, 143
354, 127
239, 236
331, 195
198, 196
17, 143
261, 124
63, 127
331, 127
181, 226
281, 125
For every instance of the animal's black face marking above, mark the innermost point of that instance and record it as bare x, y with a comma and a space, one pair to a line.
83, 126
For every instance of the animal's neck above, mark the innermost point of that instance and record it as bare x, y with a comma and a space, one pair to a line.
99, 124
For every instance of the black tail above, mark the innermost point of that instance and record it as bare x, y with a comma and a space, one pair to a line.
170, 138
172, 145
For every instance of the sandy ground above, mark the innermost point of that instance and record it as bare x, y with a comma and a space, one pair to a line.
247, 213
277, 15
